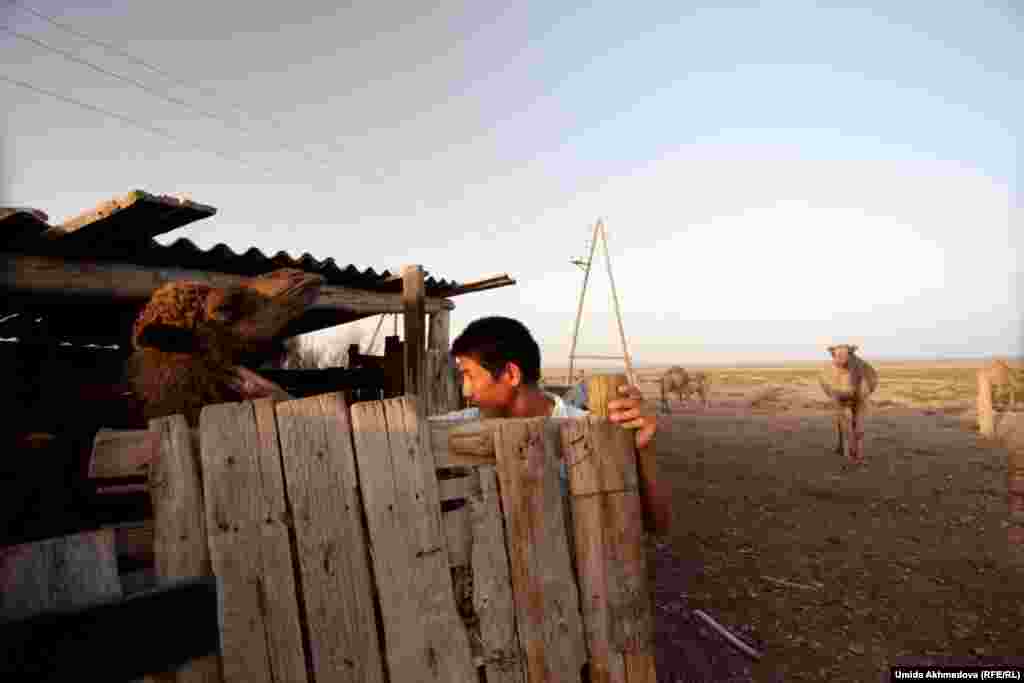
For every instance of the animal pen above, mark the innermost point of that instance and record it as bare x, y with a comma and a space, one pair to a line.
335, 536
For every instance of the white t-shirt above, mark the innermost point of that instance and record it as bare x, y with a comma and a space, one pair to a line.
560, 409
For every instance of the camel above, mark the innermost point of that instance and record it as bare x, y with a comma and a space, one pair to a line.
996, 373
684, 384
700, 381
192, 341
849, 381
999, 374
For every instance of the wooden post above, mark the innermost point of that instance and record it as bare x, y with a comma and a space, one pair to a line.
657, 502
986, 414
437, 336
413, 296
179, 526
448, 391
610, 550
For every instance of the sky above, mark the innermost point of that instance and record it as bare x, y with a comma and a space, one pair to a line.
773, 176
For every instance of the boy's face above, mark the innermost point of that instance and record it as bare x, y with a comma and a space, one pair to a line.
493, 395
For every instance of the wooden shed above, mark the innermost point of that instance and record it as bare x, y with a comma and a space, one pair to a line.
71, 292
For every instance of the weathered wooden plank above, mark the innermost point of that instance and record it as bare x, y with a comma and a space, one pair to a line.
250, 552
414, 324
546, 595
610, 555
461, 443
123, 452
144, 214
336, 581
492, 584
458, 534
105, 282
424, 636
654, 495
57, 573
180, 549
114, 639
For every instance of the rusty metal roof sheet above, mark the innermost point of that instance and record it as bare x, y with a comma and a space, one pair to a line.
123, 229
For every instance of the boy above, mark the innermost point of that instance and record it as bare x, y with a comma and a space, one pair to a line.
500, 365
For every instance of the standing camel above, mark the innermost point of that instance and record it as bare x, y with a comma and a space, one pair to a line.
995, 373
677, 380
700, 383
849, 380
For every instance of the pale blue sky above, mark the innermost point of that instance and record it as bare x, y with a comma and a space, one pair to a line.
772, 175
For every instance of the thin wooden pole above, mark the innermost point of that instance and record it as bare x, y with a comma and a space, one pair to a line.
615, 300
373, 339
583, 294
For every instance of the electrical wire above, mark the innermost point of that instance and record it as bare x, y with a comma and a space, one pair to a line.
132, 122
142, 86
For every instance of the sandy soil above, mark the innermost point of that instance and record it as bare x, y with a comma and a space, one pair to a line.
832, 574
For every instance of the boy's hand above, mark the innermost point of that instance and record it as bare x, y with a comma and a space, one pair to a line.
632, 412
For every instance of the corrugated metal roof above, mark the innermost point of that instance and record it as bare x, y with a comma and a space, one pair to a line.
123, 229
183, 253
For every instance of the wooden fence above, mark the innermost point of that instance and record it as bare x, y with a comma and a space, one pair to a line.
363, 543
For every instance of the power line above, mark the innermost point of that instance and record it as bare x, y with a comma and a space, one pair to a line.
132, 58
110, 47
142, 86
132, 122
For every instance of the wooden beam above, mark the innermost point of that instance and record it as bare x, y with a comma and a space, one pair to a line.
135, 217
480, 285
58, 573
414, 307
123, 453
117, 640
33, 278
437, 335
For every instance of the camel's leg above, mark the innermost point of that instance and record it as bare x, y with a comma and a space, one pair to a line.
857, 429
986, 417
664, 399
845, 421
839, 431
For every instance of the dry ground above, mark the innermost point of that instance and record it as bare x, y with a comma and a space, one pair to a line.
833, 574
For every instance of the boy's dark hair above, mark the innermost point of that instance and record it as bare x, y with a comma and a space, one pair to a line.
494, 341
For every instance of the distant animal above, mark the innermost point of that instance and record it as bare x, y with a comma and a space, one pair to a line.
995, 374
700, 383
676, 380
192, 341
684, 384
999, 374
848, 380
